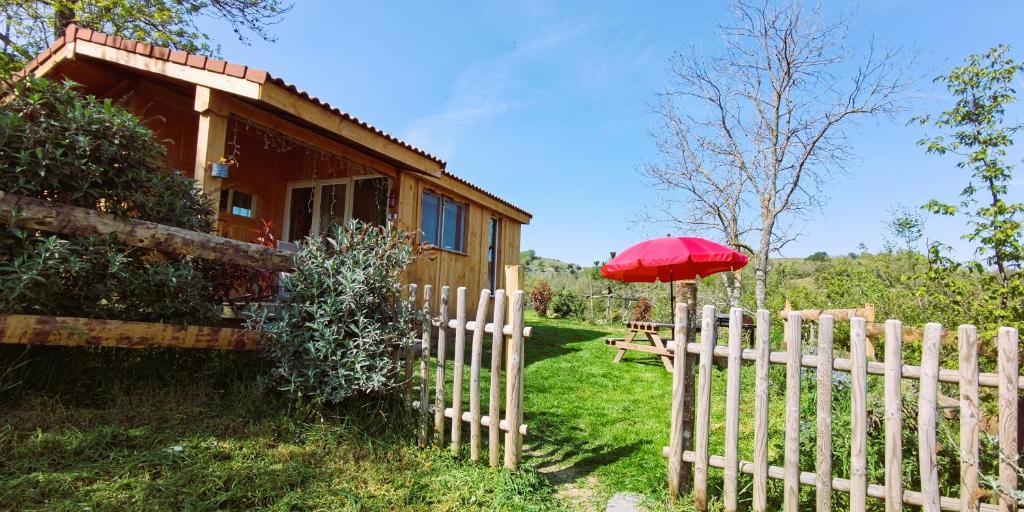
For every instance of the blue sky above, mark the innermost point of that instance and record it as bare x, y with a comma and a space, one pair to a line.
547, 103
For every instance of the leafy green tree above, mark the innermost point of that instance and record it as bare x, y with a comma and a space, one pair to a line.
977, 130
906, 226
818, 256
30, 25
527, 257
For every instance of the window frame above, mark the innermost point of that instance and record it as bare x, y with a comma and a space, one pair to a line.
445, 199
495, 229
317, 185
225, 207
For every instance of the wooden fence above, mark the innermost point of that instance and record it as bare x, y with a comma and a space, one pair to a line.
506, 339
1008, 382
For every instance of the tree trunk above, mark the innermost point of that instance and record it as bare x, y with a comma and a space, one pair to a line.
761, 265
733, 282
53, 217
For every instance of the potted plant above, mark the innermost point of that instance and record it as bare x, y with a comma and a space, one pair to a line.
219, 169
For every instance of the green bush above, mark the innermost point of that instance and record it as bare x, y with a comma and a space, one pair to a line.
334, 332
58, 145
567, 304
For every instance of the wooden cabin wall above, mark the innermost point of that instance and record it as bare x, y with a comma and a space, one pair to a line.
446, 268
265, 168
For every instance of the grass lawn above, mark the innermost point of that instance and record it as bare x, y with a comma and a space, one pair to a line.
174, 430
601, 426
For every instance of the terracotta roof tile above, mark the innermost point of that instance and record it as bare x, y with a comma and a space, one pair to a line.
256, 75
196, 61
160, 52
69, 33
143, 48
179, 57
217, 66
236, 70
98, 37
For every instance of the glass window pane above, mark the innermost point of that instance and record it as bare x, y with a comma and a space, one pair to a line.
225, 193
370, 200
453, 230
300, 214
430, 219
492, 255
332, 206
242, 204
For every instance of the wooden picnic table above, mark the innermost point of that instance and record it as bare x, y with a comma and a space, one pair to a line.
653, 343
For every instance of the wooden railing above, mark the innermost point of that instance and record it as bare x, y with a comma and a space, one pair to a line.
506, 340
53, 217
1008, 382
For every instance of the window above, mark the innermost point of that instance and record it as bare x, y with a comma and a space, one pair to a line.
370, 201
313, 207
443, 222
493, 238
238, 203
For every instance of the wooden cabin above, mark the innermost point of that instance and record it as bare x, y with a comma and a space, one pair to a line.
300, 163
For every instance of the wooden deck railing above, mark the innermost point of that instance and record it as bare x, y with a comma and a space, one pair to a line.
929, 374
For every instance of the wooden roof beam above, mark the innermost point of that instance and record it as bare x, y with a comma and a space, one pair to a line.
286, 100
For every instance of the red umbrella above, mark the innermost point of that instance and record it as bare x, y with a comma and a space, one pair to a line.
672, 259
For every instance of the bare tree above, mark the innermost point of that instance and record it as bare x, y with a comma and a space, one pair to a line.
696, 163
762, 125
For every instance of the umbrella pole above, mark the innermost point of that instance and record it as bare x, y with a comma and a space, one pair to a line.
671, 293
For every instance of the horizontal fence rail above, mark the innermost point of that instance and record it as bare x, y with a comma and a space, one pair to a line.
53, 217
96, 332
506, 341
1007, 381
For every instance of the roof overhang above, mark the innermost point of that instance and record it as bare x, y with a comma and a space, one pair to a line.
247, 83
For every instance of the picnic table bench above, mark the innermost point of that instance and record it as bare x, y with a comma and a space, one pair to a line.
653, 343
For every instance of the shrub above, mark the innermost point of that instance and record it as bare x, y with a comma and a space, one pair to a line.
642, 310
567, 304
58, 145
540, 297
334, 332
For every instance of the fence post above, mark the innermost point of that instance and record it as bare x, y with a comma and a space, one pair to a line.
926, 417
761, 362
969, 440
1008, 394
459, 370
513, 283
823, 455
409, 352
679, 390
475, 412
893, 416
859, 414
791, 456
494, 397
700, 468
442, 338
424, 420
513, 385
732, 409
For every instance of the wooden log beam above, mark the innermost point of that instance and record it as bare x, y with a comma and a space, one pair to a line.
90, 332
54, 217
